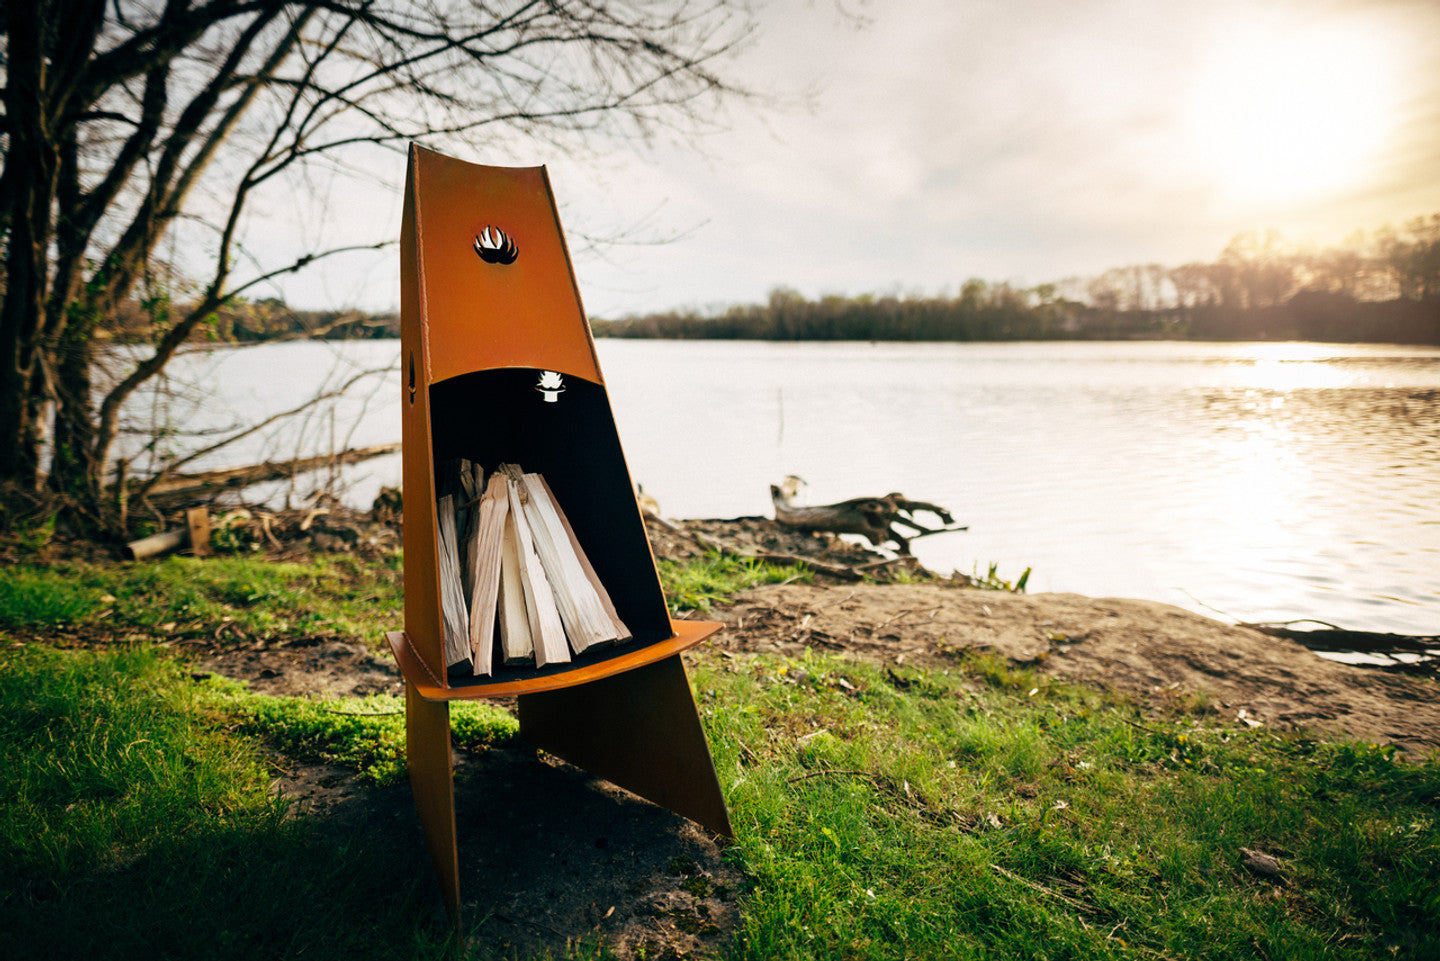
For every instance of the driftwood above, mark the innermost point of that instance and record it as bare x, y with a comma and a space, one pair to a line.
234, 477
1405, 653
770, 557
195, 533
874, 518
156, 544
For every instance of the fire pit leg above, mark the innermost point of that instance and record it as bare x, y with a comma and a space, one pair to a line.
427, 751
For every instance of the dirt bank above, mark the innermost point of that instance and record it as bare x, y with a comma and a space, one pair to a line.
1156, 651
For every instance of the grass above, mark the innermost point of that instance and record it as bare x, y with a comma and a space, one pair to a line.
244, 597
704, 581
366, 734
132, 825
990, 813
881, 812
250, 598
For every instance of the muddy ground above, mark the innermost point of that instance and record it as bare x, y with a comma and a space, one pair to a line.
550, 855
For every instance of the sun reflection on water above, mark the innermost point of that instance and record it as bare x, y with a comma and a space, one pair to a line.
1288, 366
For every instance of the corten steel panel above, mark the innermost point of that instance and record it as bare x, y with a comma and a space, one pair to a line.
432, 782
479, 315
616, 660
422, 579
474, 338
639, 730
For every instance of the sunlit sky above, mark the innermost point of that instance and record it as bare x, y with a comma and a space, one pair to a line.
1022, 141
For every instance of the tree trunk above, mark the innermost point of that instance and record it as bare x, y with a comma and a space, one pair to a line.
42, 73
73, 469
31, 166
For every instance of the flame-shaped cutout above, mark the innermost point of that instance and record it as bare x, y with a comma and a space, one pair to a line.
495, 246
412, 377
551, 384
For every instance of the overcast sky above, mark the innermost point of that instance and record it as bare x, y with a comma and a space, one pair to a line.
1015, 140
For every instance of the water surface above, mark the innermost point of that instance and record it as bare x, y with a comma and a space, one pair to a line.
1262, 481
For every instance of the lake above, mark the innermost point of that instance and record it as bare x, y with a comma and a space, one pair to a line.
1263, 482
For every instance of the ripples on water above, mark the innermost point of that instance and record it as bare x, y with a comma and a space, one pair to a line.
1265, 481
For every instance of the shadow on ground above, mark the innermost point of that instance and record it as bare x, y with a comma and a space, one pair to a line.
550, 857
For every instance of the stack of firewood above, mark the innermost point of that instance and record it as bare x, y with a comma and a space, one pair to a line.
514, 581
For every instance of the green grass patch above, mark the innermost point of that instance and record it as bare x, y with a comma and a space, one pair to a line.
130, 827
39, 597
245, 597
704, 581
992, 813
366, 734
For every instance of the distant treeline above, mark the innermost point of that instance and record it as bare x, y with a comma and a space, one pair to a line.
251, 321
271, 319
1383, 287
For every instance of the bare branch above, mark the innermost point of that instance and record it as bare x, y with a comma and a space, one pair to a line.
320, 398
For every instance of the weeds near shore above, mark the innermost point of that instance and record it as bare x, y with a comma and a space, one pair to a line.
704, 581
992, 581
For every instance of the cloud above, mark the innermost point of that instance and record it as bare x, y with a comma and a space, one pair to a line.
1026, 140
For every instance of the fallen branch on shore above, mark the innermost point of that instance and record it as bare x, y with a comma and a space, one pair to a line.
835, 570
1405, 653
206, 482
873, 518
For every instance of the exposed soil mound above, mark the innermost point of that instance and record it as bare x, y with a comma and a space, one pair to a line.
1159, 652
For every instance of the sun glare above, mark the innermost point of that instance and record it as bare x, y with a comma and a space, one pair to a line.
1293, 114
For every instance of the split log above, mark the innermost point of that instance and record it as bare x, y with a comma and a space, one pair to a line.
874, 518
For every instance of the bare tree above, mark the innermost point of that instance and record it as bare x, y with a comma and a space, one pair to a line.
1413, 257
125, 118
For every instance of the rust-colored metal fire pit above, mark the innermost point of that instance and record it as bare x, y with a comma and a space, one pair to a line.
499, 367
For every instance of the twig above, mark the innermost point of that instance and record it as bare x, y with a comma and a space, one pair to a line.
1261, 625
868, 565
1209, 607
927, 531
1042, 889
326, 710
836, 570
830, 772
896, 617
1141, 727
842, 600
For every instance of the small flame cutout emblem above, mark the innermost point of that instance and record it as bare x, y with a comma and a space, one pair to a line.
495, 246
550, 385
